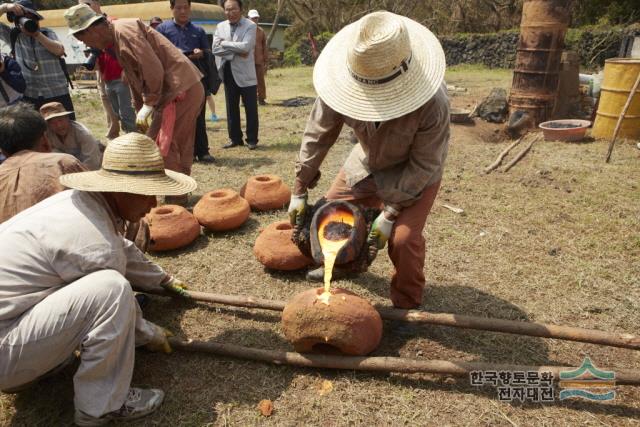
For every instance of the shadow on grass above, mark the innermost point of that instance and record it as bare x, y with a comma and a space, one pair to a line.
292, 147
240, 162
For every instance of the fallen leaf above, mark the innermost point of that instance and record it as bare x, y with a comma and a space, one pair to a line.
265, 407
325, 388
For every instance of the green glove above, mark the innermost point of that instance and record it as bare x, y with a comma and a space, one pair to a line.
297, 207
160, 341
176, 288
380, 231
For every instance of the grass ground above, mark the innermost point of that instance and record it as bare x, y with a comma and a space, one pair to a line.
553, 240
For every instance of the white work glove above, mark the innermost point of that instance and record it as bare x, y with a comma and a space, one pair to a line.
143, 118
380, 231
297, 207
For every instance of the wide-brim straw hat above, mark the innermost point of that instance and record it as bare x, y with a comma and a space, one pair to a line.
51, 110
132, 164
380, 67
80, 17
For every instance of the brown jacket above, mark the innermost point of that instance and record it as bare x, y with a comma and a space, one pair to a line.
154, 68
262, 52
28, 177
404, 155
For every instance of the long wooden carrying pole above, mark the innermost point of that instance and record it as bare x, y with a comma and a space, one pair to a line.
533, 329
379, 364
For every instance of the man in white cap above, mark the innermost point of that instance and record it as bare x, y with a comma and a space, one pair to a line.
66, 283
165, 85
383, 76
261, 56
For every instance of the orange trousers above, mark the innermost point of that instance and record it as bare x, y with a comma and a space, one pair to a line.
180, 156
406, 244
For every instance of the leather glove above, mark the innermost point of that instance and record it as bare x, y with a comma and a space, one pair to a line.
143, 118
160, 341
297, 207
176, 288
380, 231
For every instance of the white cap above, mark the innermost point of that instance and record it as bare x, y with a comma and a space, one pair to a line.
253, 14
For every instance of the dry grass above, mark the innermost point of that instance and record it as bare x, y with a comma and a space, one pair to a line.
554, 240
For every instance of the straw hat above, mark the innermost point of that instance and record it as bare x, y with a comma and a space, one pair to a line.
132, 164
51, 110
380, 67
80, 17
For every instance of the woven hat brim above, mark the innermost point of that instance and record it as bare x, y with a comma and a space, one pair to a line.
338, 89
72, 31
171, 184
63, 113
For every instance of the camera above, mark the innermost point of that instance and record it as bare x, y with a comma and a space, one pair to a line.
93, 53
31, 25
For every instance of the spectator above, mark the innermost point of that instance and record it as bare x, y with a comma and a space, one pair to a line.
165, 85
70, 137
12, 84
155, 21
261, 57
192, 41
31, 172
39, 54
233, 45
110, 71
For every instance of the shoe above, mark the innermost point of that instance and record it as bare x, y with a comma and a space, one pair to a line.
207, 158
232, 144
213, 117
262, 102
252, 146
140, 403
317, 274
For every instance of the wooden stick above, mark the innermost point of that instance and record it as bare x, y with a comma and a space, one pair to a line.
592, 336
378, 364
621, 117
521, 154
501, 156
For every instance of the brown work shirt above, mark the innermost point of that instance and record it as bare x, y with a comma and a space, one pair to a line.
404, 155
154, 68
28, 177
261, 53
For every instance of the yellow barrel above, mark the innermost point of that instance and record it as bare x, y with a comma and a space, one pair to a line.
620, 75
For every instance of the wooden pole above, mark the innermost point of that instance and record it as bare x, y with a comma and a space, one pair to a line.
621, 117
501, 156
534, 329
521, 154
378, 364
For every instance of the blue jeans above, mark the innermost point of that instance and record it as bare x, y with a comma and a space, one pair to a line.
120, 98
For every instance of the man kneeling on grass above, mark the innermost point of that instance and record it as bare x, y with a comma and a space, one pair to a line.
66, 283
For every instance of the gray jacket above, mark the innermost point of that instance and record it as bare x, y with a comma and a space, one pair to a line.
229, 49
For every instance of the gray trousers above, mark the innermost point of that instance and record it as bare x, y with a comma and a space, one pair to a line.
120, 96
96, 314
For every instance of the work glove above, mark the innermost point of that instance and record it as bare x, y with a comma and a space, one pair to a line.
297, 207
143, 118
160, 340
380, 231
176, 288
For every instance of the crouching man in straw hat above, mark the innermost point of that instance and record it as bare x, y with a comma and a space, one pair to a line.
165, 84
383, 76
67, 284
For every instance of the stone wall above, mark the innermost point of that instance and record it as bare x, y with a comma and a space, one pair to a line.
498, 50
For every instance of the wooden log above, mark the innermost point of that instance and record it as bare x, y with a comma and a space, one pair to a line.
502, 155
378, 364
521, 154
621, 117
534, 329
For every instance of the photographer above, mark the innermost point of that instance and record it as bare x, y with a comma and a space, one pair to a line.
38, 52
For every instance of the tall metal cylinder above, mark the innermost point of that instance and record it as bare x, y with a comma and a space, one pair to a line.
535, 78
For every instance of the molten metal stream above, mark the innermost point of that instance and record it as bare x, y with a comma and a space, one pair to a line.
330, 249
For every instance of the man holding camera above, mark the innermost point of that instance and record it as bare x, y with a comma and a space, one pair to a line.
38, 53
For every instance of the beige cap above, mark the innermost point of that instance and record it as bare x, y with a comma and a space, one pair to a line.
53, 109
80, 17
